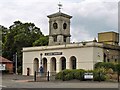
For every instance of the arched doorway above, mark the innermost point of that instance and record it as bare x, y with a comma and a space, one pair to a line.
45, 65
63, 63
53, 64
73, 62
36, 65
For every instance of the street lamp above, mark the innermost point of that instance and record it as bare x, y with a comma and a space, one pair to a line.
41, 59
41, 66
15, 60
108, 58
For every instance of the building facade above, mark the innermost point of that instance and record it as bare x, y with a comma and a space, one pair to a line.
61, 54
6, 64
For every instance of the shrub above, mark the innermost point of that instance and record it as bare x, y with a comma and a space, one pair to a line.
70, 74
59, 75
79, 74
5, 71
19, 70
106, 65
99, 74
117, 67
65, 75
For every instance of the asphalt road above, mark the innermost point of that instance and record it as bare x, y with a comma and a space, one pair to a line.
19, 82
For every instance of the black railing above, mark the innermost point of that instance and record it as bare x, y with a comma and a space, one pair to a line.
46, 76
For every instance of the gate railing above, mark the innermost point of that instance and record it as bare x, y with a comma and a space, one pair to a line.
46, 76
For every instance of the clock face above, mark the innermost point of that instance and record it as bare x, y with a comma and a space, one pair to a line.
64, 26
55, 25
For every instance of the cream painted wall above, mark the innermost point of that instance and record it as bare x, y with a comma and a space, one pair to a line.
85, 58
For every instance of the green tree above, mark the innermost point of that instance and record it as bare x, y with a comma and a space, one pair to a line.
3, 32
42, 41
20, 35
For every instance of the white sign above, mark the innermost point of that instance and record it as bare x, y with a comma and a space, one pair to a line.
2, 67
88, 76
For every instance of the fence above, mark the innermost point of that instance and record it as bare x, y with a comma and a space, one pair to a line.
46, 76
50, 76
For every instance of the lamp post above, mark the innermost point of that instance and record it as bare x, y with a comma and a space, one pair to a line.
16, 63
41, 64
108, 56
41, 59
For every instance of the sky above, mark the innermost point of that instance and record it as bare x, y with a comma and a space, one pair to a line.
89, 16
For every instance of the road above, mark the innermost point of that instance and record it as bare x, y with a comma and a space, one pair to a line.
26, 82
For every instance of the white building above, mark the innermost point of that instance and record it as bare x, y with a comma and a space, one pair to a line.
60, 54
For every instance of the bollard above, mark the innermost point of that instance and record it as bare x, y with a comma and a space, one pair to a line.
35, 76
118, 77
63, 77
99, 77
48, 77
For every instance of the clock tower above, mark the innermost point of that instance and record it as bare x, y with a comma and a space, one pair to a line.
59, 28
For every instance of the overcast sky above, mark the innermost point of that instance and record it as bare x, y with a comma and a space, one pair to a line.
89, 16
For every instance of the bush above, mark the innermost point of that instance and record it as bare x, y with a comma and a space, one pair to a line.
79, 74
19, 70
5, 71
106, 65
59, 75
70, 74
117, 67
67, 74
99, 75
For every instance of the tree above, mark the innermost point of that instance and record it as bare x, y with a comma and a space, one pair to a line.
3, 32
42, 41
20, 35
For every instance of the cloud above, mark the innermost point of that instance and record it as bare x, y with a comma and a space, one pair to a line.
89, 16
94, 17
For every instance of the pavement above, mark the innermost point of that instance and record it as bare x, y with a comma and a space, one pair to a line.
20, 81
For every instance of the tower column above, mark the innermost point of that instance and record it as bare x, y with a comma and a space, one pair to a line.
60, 39
58, 66
59, 28
51, 40
68, 40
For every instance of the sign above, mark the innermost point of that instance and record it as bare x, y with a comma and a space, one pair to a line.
2, 67
88, 76
53, 53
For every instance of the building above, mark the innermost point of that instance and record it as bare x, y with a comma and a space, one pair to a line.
109, 38
6, 64
61, 54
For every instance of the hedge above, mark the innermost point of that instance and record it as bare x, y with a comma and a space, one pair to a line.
106, 65
99, 74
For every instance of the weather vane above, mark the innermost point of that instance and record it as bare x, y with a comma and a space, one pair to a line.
60, 5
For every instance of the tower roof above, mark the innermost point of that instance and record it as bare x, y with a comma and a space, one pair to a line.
59, 14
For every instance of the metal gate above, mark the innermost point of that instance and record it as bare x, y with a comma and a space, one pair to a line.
46, 76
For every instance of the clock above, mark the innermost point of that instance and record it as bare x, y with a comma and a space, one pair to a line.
64, 26
55, 25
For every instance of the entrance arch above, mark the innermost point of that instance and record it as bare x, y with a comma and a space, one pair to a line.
36, 65
63, 63
73, 62
45, 64
53, 64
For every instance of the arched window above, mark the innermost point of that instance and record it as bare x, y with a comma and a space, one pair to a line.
36, 65
53, 64
45, 65
73, 62
63, 63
